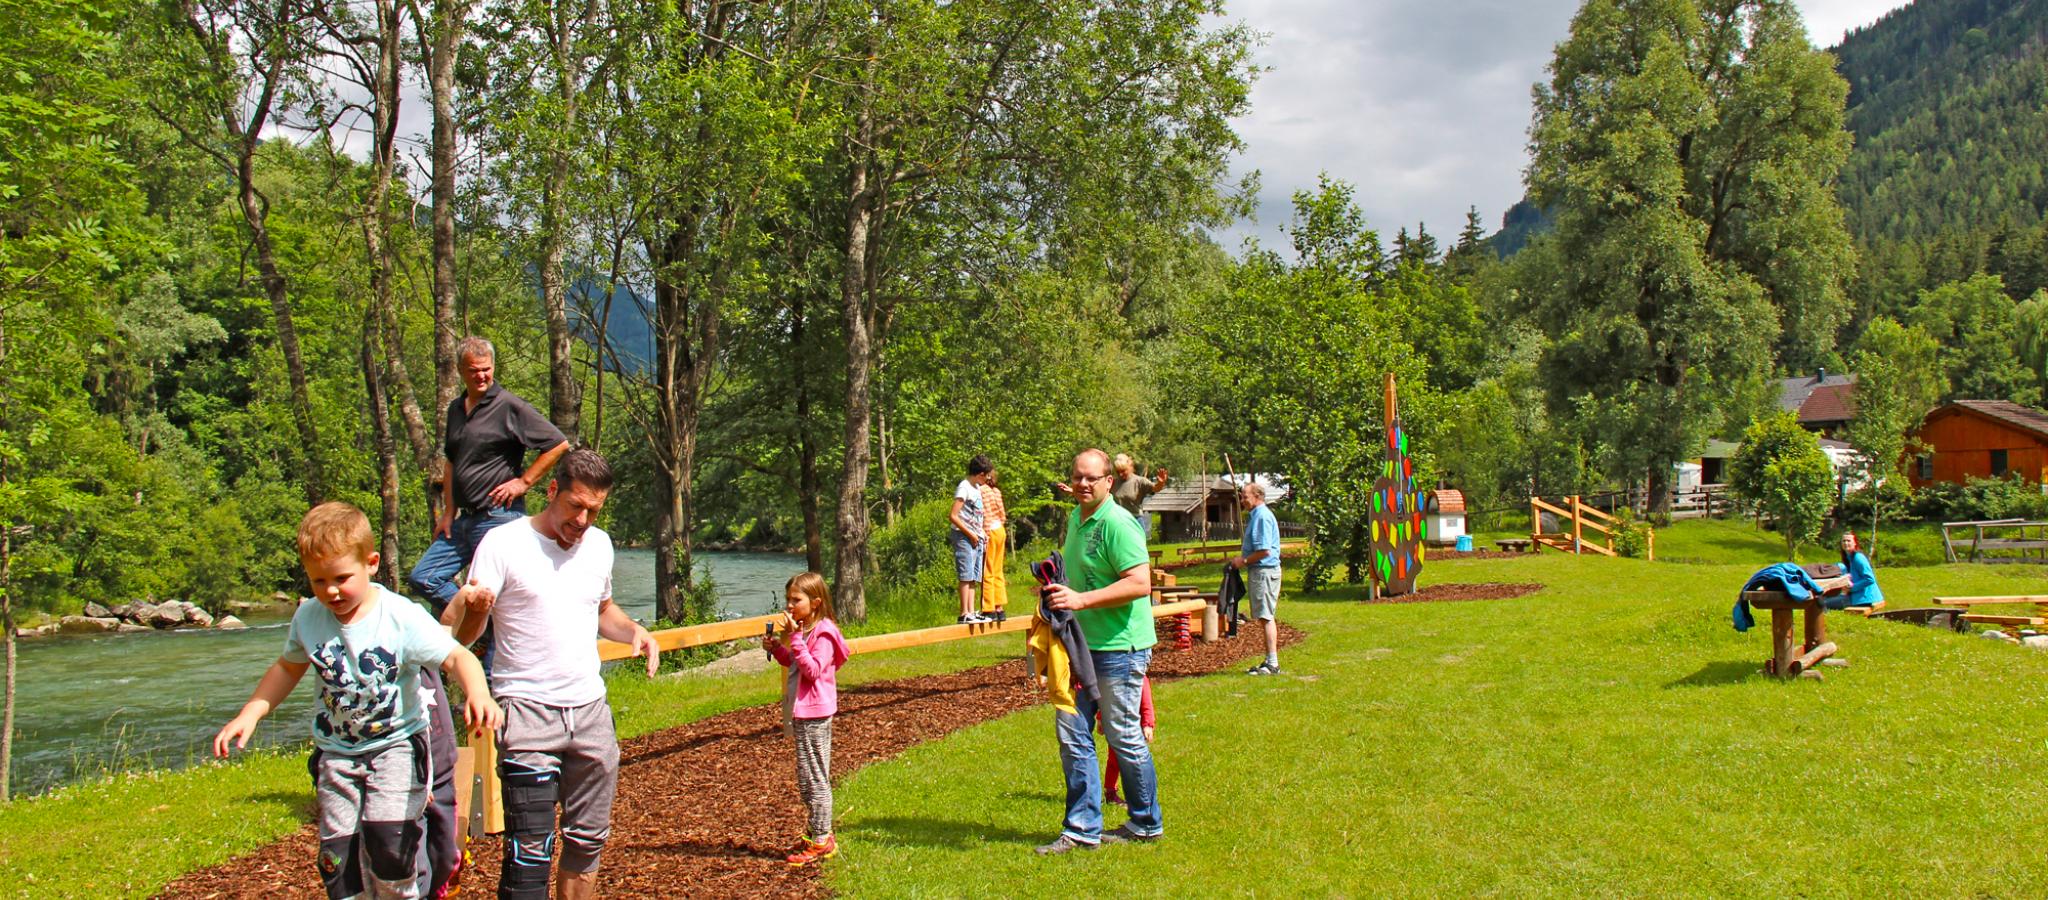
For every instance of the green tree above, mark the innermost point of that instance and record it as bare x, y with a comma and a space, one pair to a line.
1687, 152
1784, 474
1897, 382
1976, 326
2030, 332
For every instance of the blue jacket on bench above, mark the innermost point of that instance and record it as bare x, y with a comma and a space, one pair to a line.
1785, 577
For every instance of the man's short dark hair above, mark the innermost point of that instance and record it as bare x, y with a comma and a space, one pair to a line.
583, 466
980, 465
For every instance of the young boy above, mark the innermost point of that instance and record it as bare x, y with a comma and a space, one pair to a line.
370, 763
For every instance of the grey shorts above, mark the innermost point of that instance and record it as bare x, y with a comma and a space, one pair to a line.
967, 557
1262, 587
579, 748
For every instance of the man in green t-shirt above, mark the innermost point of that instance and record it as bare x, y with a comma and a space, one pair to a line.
1109, 585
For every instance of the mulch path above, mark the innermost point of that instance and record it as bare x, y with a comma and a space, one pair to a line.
1452, 593
710, 808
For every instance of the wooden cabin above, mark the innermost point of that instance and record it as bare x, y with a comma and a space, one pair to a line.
1966, 439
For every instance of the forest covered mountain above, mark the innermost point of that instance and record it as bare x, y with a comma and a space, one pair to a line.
1948, 103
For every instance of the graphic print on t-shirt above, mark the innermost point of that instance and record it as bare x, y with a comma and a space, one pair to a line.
360, 702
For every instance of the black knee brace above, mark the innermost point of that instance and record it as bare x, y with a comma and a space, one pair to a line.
339, 872
393, 849
530, 796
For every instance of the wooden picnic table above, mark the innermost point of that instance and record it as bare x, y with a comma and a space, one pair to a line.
1784, 663
1516, 545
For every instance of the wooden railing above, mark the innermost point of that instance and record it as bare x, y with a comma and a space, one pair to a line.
1979, 544
1579, 518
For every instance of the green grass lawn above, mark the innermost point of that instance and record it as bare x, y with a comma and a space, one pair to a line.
1736, 540
1606, 736
128, 836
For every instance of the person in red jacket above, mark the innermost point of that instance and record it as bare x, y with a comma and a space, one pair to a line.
1110, 772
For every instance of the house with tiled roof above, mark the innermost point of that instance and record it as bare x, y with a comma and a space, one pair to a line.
1965, 439
1824, 403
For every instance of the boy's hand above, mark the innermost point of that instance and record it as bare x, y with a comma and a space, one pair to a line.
476, 597
236, 733
483, 715
1148, 734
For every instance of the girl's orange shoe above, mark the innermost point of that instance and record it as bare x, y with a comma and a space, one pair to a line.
814, 851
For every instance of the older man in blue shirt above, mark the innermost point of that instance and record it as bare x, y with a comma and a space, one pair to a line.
1259, 557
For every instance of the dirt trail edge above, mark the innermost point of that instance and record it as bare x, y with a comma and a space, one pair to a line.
709, 809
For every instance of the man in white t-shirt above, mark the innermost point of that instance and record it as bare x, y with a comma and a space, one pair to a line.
545, 585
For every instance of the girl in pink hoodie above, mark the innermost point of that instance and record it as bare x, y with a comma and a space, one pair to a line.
809, 645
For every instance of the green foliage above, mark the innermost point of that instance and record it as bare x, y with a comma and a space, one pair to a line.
1782, 471
1974, 323
1687, 153
1897, 382
1291, 360
1631, 537
2011, 497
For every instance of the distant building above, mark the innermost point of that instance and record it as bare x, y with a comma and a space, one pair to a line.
1205, 508
1824, 403
1966, 439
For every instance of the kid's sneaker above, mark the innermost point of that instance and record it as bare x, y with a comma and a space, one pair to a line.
814, 852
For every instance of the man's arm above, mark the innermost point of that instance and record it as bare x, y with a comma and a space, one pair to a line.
1249, 558
614, 625
1136, 582
515, 488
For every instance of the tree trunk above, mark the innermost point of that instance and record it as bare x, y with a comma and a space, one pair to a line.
565, 396
806, 449
686, 338
377, 228
442, 45
1659, 487
314, 471
848, 589
387, 456
7, 622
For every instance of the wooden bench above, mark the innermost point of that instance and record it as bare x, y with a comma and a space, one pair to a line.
2038, 601
1784, 663
1514, 545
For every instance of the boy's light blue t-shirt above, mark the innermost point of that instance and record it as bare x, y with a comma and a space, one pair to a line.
1262, 532
369, 671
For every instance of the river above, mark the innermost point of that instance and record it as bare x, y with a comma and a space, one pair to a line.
92, 704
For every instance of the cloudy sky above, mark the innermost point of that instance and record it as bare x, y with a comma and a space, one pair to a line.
1423, 106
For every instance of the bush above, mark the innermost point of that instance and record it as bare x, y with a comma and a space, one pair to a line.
2011, 497
1631, 538
1782, 470
1895, 497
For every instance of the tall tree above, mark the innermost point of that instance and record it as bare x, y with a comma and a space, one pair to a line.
228, 66
1897, 383
1686, 150
440, 43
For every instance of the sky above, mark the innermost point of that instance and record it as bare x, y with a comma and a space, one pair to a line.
1423, 107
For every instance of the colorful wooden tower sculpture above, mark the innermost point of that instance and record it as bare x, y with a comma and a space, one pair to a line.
1397, 525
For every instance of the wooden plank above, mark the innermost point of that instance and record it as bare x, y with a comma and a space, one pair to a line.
1991, 600
693, 636
465, 771
2011, 544
898, 640
1983, 619
1539, 504
493, 790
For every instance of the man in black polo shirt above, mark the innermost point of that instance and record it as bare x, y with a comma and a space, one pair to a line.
489, 431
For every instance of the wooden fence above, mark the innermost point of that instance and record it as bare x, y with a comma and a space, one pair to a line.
1574, 519
1981, 546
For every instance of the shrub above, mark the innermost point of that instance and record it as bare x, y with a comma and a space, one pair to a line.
1631, 537
1895, 498
1784, 473
2011, 497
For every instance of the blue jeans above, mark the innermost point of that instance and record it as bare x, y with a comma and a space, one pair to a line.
434, 575
1120, 674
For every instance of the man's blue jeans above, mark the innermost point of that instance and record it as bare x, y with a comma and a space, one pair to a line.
434, 575
1120, 674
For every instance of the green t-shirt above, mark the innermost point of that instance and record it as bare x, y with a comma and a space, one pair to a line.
1098, 551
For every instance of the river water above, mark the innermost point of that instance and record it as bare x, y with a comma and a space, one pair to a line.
91, 704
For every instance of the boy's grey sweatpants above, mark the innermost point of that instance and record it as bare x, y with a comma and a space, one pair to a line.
551, 754
368, 812
814, 771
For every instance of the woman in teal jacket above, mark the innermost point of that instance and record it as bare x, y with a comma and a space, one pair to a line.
1863, 589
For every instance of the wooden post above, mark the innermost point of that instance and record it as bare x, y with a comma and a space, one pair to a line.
1578, 532
1535, 527
1649, 544
1212, 623
1816, 629
486, 769
1781, 642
